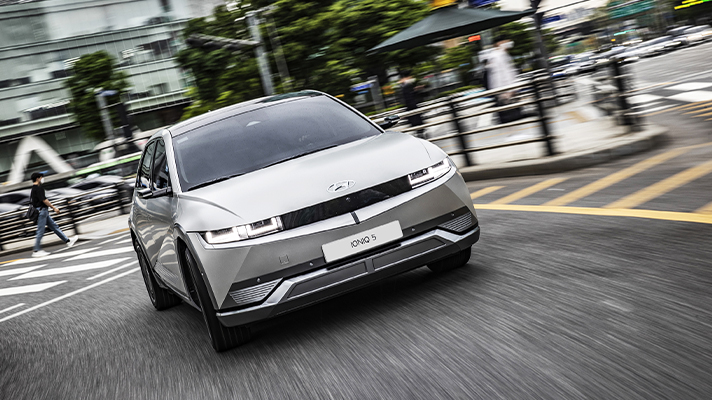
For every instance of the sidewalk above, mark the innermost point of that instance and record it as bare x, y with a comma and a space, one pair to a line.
90, 230
582, 136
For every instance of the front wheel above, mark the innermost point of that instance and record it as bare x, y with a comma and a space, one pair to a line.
160, 298
221, 337
456, 260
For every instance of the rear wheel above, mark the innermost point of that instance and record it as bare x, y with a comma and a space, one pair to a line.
456, 260
222, 337
160, 298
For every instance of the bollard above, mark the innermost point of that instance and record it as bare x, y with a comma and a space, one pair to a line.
72, 219
623, 105
458, 127
546, 135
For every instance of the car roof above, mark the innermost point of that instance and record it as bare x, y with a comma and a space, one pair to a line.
240, 108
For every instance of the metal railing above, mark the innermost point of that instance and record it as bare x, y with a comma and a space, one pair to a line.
529, 93
612, 92
14, 227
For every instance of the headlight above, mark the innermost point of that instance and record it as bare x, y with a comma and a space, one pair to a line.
243, 232
426, 175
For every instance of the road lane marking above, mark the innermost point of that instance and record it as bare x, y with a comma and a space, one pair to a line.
29, 288
51, 256
484, 191
69, 270
605, 212
110, 240
682, 107
693, 96
12, 308
707, 209
91, 278
700, 110
101, 253
690, 86
528, 191
10, 261
615, 178
70, 294
17, 271
658, 189
129, 240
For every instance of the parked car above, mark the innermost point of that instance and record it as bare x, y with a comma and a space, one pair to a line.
697, 34
19, 197
114, 187
271, 205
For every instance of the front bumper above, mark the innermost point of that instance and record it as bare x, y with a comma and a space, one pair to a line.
309, 288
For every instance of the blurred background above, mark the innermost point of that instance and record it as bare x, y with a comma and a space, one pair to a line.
86, 82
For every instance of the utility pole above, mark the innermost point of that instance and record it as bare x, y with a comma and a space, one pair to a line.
265, 74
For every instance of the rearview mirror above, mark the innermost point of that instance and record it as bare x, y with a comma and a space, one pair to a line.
144, 192
389, 121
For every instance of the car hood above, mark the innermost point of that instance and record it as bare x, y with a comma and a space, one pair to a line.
304, 181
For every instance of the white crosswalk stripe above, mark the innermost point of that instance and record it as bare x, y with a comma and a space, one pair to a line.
684, 87
693, 96
68, 270
17, 271
643, 98
101, 253
29, 288
51, 257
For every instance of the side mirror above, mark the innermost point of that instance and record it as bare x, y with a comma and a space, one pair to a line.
389, 121
145, 193
163, 192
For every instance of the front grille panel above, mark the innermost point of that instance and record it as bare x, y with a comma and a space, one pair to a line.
253, 294
459, 224
345, 204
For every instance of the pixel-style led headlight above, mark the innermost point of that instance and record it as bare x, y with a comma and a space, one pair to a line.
242, 232
432, 173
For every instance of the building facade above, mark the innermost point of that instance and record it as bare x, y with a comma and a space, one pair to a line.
40, 41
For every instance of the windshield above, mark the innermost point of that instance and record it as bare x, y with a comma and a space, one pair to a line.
256, 139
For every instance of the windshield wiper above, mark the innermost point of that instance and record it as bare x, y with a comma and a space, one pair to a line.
210, 182
300, 155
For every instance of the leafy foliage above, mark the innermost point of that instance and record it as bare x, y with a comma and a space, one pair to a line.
91, 72
324, 42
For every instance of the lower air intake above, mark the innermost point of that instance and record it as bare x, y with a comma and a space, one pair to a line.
460, 224
253, 294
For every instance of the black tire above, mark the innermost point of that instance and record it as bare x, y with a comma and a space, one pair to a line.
456, 260
160, 298
221, 337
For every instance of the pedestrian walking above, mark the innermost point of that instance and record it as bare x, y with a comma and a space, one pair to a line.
39, 200
500, 73
412, 95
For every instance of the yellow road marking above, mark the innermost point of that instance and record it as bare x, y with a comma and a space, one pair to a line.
484, 191
530, 190
578, 117
9, 261
654, 85
662, 187
705, 114
614, 178
699, 105
119, 231
648, 214
705, 209
701, 110
682, 107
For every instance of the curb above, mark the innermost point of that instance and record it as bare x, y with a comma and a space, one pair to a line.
635, 143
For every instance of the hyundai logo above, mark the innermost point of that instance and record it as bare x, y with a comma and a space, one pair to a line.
340, 186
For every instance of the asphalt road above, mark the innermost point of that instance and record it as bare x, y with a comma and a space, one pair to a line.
560, 300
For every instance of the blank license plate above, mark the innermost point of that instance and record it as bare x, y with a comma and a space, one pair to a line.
363, 241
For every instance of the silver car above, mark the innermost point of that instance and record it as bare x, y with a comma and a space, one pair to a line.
267, 206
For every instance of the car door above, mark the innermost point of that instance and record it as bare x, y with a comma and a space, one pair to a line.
139, 214
161, 207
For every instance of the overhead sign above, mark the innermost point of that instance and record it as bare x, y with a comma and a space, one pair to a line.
553, 18
481, 3
621, 9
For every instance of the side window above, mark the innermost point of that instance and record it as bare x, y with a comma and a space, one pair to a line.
144, 170
160, 179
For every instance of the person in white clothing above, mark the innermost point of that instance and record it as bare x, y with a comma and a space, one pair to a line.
501, 73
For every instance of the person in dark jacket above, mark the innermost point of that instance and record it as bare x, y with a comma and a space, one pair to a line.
39, 200
411, 96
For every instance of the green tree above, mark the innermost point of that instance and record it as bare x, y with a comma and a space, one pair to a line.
91, 72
